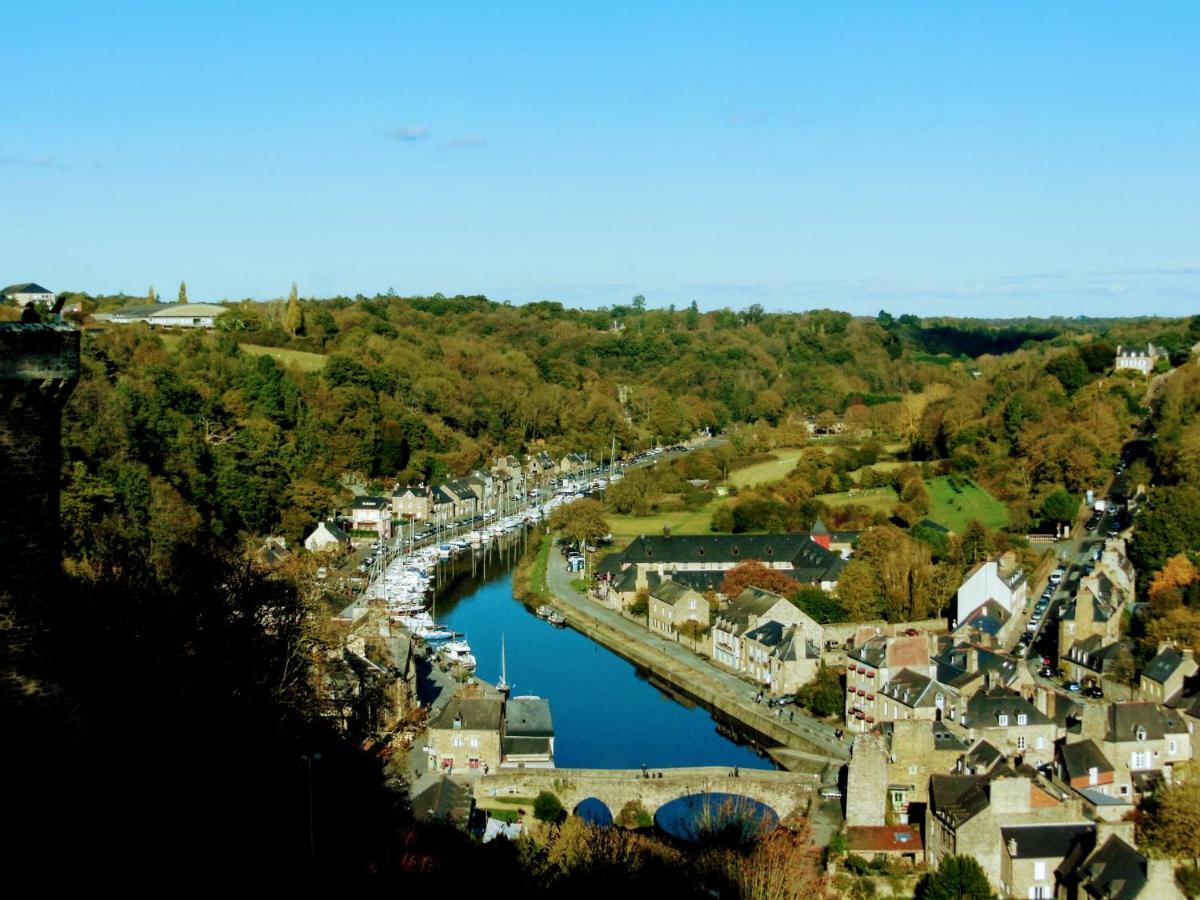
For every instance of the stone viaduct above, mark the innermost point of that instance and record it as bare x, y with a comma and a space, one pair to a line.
787, 793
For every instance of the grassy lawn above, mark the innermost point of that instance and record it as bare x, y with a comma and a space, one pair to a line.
299, 359
537, 578
763, 472
880, 499
878, 467
685, 522
956, 504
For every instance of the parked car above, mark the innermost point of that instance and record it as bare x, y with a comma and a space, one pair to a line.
1046, 672
1057, 575
1072, 686
830, 793
783, 700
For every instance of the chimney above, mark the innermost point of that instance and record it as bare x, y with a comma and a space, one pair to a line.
972, 659
1012, 847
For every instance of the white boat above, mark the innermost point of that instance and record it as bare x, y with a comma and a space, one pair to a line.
458, 653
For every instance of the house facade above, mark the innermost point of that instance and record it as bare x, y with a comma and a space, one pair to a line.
326, 536
29, 292
465, 735
372, 514
410, 504
999, 580
672, 605
1140, 359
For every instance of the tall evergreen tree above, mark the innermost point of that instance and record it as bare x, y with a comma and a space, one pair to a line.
183, 292
151, 297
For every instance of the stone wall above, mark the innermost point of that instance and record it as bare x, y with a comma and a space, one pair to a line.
867, 781
39, 366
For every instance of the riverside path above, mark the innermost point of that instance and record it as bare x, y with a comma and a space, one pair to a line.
689, 672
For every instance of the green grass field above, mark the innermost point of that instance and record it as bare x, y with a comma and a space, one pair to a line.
881, 499
878, 467
299, 359
685, 522
768, 471
956, 504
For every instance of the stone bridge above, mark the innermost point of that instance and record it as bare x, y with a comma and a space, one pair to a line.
787, 793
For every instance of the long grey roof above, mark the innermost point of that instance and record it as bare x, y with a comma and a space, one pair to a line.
30, 287
671, 592
810, 561
752, 601
1124, 719
986, 707
478, 713
958, 798
1042, 841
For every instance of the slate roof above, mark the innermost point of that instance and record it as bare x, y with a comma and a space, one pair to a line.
793, 646
415, 491
751, 602
700, 581
945, 739
1114, 871
910, 688
952, 670
478, 714
1125, 718
810, 561
30, 287
333, 530
367, 502
671, 592
982, 754
444, 799
1043, 841
1082, 756
769, 634
986, 707
525, 746
873, 652
1094, 654
958, 798
1163, 665
528, 717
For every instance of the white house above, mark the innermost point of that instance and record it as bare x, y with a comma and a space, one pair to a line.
372, 514
30, 292
1139, 359
999, 580
326, 536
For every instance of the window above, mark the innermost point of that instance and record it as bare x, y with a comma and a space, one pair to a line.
912, 770
1124, 790
1140, 733
1021, 742
474, 742
1039, 871
1171, 747
1022, 719
457, 742
1003, 719
1093, 775
1139, 759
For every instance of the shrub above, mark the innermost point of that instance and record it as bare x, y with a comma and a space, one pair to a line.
547, 807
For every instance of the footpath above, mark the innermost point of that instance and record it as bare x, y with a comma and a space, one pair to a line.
675, 664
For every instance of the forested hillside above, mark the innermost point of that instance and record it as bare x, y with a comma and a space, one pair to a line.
173, 435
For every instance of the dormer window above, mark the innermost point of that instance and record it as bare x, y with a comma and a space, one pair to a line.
1022, 718
1140, 733
1003, 720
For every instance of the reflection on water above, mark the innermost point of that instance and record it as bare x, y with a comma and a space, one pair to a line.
729, 817
606, 714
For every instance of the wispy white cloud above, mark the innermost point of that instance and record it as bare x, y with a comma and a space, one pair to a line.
461, 143
408, 133
44, 161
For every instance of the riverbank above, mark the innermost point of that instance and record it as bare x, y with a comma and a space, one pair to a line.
669, 661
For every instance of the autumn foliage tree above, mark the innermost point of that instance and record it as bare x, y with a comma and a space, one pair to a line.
752, 573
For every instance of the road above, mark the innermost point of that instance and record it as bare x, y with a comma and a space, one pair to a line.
692, 667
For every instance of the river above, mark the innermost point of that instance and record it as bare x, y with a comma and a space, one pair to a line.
606, 714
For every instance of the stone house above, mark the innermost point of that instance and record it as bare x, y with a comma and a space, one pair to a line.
442, 504
672, 605
464, 736
1104, 863
750, 609
1144, 742
1162, 679
1090, 624
464, 501
1031, 854
1011, 724
793, 660
1092, 662
410, 504
1000, 580
876, 659
916, 751
528, 734
967, 812
372, 514
571, 463
326, 536
1084, 766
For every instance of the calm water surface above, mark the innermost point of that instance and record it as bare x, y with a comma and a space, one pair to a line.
605, 714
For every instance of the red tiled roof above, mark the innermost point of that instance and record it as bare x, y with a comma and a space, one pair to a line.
883, 839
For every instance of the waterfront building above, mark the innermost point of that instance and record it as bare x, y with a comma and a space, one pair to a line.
464, 736
672, 605
528, 734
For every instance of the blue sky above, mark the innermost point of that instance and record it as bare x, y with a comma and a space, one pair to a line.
982, 159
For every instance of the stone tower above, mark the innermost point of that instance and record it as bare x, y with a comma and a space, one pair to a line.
867, 781
39, 366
